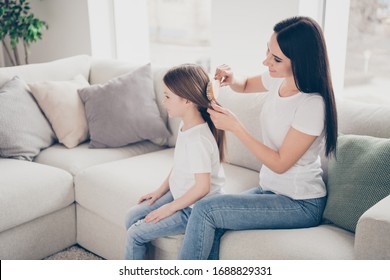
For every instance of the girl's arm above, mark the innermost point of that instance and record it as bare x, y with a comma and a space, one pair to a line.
153, 196
295, 144
196, 192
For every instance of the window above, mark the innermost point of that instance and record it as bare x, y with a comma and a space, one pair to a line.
180, 32
367, 68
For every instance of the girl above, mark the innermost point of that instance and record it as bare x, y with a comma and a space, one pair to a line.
197, 171
298, 119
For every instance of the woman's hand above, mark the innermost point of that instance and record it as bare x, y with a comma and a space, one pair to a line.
160, 213
224, 74
223, 118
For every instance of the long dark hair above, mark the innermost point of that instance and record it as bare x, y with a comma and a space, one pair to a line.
302, 41
190, 81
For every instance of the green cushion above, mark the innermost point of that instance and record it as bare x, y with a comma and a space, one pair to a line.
358, 178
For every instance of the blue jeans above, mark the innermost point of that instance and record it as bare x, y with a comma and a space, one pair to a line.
254, 209
140, 233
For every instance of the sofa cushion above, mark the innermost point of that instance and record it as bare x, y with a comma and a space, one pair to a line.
80, 157
111, 196
24, 130
322, 242
64, 109
247, 108
29, 190
368, 119
123, 110
133, 177
357, 178
57, 70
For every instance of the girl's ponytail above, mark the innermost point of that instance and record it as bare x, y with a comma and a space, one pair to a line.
218, 134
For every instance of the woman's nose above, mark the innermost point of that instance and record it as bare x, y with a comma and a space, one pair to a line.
265, 62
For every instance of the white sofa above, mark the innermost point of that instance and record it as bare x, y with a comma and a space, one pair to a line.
81, 195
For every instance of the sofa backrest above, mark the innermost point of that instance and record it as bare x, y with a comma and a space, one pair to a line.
360, 119
57, 70
247, 108
363, 119
353, 118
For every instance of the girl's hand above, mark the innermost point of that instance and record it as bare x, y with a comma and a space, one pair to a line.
224, 74
152, 197
160, 213
223, 118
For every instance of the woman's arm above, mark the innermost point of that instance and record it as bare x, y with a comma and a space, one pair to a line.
196, 192
295, 144
293, 147
239, 84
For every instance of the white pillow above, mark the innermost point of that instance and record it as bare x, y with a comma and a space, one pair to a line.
63, 108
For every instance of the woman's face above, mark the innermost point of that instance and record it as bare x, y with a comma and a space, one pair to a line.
279, 66
174, 104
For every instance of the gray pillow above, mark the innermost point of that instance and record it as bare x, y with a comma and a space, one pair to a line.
123, 110
24, 130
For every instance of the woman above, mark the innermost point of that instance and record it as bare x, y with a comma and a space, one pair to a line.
297, 120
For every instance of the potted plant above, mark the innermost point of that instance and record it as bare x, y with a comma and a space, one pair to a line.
18, 24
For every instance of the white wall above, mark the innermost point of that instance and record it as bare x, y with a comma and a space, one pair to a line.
336, 22
242, 43
102, 28
132, 30
68, 32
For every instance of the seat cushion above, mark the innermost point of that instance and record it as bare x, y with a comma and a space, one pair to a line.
322, 242
110, 189
29, 190
111, 196
81, 157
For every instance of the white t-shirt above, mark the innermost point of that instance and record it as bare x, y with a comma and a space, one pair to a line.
196, 151
305, 113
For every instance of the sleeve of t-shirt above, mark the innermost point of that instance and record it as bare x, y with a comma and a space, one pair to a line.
310, 116
199, 154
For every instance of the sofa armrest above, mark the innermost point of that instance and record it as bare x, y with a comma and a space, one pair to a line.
372, 239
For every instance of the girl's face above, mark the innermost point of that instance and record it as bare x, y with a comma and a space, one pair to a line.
279, 66
175, 105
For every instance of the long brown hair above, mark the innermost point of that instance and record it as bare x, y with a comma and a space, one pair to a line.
190, 81
302, 41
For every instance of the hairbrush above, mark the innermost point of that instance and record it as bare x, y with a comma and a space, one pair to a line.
212, 90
